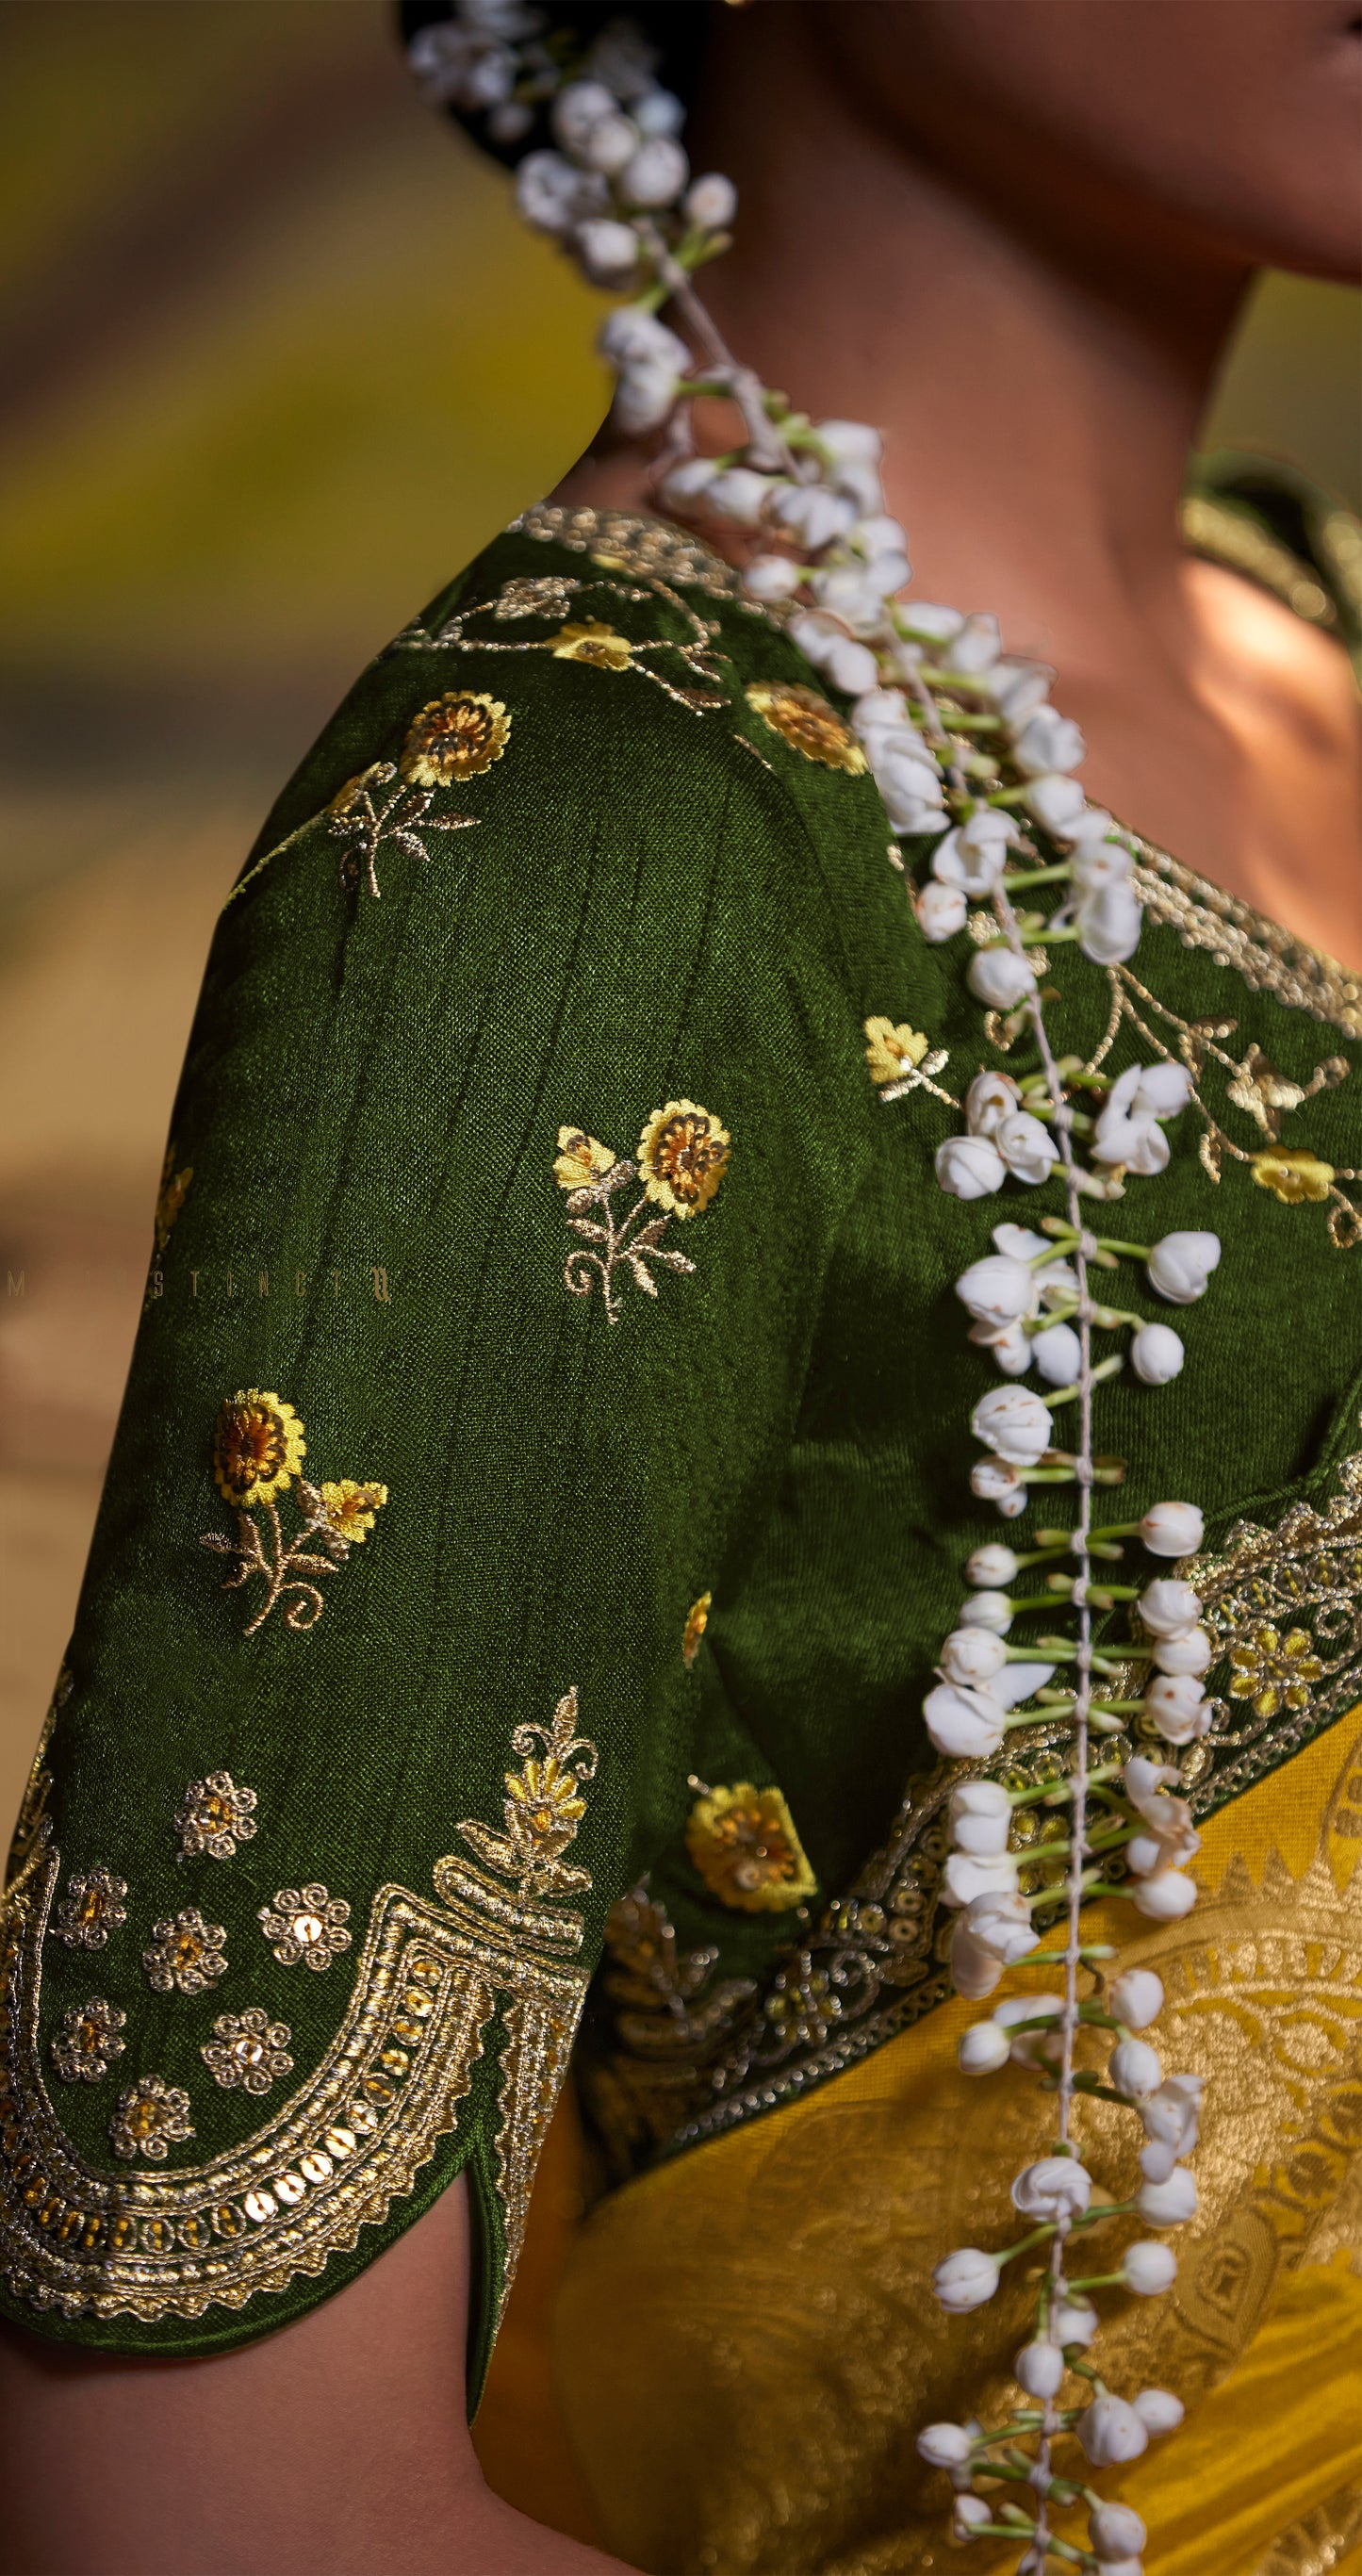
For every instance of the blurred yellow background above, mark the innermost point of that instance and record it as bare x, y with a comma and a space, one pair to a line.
278, 358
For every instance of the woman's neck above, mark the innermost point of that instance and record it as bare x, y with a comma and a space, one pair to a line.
1038, 357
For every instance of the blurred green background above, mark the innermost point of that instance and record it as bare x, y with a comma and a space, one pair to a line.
277, 358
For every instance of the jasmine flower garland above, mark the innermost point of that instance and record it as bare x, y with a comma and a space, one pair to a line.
968, 754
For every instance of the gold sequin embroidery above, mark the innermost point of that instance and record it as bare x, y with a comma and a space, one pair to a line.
185, 1954
455, 737
744, 1844
683, 1154
307, 1924
808, 724
258, 1448
151, 2117
91, 1909
429, 1980
248, 2051
591, 640
87, 2043
670, 2018
215, 1816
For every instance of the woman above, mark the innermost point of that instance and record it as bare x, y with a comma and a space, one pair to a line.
599, 1180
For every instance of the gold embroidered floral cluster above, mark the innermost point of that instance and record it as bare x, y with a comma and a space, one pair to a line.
681, 1159
258, 1450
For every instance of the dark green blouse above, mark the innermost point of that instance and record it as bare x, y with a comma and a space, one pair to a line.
543, 1481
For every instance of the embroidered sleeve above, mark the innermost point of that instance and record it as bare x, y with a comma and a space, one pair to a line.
522, 1106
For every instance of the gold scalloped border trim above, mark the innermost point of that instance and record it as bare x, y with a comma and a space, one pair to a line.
1233, 934
347, 2144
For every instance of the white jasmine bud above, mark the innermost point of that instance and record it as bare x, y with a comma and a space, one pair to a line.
1108, 922
644, 396
711, 202
770, 577
945, 2446
657, 173
850, 441
1039, 2369
1053, 2187
1172, 1529
1163, 1090
993, 1480
628, 337
1032, 2047
1156, 1354
851, 666
1028, 1148
972, 1656
1149, 2268
739, 493
1177, 1708
999, 978
1191, 1654
973, 854
1054, 800
934, 624
659, 111
817, 515
983, 2049
1015, 1423
1168, 1606
969, 1167
611, 145
969, 2514
1110, 2431
995, 1290
548, 191
1073, 2321
992, 1566
1165, 1896
1180, 1266
992, 1934
1136, 1998
1116, 2530
975, 645
966, 2280
964, 1877
578, 108
1159, 2411
1134, 2066
941, 912
608, 252
1048, 742
986, 1609
688, 482
982, 1807
962, 1721
1169, 2203
1017, 688
1058, 1354
1170, 2116
991, 1097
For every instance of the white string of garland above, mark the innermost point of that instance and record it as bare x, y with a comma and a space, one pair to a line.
969, 754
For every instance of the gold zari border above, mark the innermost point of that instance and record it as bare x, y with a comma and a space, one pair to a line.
1233, 934
876, 1962
350, 2142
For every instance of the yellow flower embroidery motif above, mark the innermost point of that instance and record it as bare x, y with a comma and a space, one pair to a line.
683, 1155
213, 1816
594, 643
744, 1844
580, 1160
1292, 1178
1275, 1671
171, 1196
455, 737
892, 1051
247, 2050
808, 724
543, 1807
697, 1620
258, 1447
350, 1508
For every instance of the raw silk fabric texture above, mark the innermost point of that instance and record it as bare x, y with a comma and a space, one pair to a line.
586, 872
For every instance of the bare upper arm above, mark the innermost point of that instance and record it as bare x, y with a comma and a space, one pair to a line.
334, 2447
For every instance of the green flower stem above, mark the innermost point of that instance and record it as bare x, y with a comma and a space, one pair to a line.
1113, 1243
1013, 884
1056, 1958
1046, 936
1105, 1368
1054, 1792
